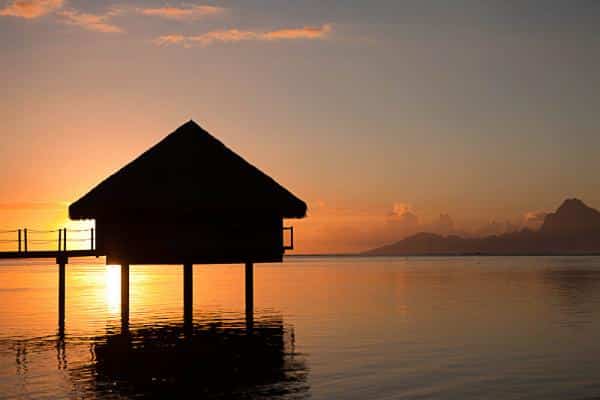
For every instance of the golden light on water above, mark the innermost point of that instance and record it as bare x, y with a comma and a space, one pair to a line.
112, 290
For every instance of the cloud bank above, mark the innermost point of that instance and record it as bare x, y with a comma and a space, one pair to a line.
182, 13
235, 35
30, 9
91, 22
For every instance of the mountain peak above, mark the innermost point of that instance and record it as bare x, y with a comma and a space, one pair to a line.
572, 204
573, 215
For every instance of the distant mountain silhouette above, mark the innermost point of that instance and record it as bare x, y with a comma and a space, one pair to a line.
573, 216
573, 229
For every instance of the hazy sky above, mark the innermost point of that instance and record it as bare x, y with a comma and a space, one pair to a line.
382, 115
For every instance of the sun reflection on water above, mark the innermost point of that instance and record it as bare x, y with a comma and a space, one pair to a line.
112, 289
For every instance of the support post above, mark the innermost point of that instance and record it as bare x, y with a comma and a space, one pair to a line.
188, 296
65, 239
125, 297
62, 263
249, 295
19, 240
25, 236
59, 239
92, 239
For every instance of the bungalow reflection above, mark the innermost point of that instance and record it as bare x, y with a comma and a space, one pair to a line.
213, 360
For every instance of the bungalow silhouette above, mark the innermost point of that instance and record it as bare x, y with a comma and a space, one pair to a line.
189, 199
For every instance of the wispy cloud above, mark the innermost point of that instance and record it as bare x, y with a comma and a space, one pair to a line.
399, 209
308, 32
534, 219
170, 39
91, 22
36, 8
235, 35
31, 8
183, 13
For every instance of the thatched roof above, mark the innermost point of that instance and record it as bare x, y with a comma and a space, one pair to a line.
189, 171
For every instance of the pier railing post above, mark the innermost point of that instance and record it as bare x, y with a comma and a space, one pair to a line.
25, 236
65, 239
19, 240
91, 238
59, 239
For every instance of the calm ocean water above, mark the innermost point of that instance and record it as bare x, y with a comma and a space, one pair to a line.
324, 328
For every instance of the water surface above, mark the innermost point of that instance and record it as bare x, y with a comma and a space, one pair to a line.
324, 328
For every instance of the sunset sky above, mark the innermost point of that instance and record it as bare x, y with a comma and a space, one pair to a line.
387, 117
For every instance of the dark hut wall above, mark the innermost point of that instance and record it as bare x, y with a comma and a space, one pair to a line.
204, 239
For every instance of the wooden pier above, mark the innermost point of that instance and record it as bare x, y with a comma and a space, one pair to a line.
61, 253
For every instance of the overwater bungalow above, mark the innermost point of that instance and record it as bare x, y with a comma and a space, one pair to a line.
189, 200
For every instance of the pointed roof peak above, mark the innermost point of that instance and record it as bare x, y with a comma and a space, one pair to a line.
190, 125
188, 169
191, 133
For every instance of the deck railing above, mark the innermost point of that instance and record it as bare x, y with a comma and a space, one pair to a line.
61, 240
25, 240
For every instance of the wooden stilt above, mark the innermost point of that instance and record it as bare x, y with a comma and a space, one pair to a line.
188, 296
61, 295
125, 296
249, 295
